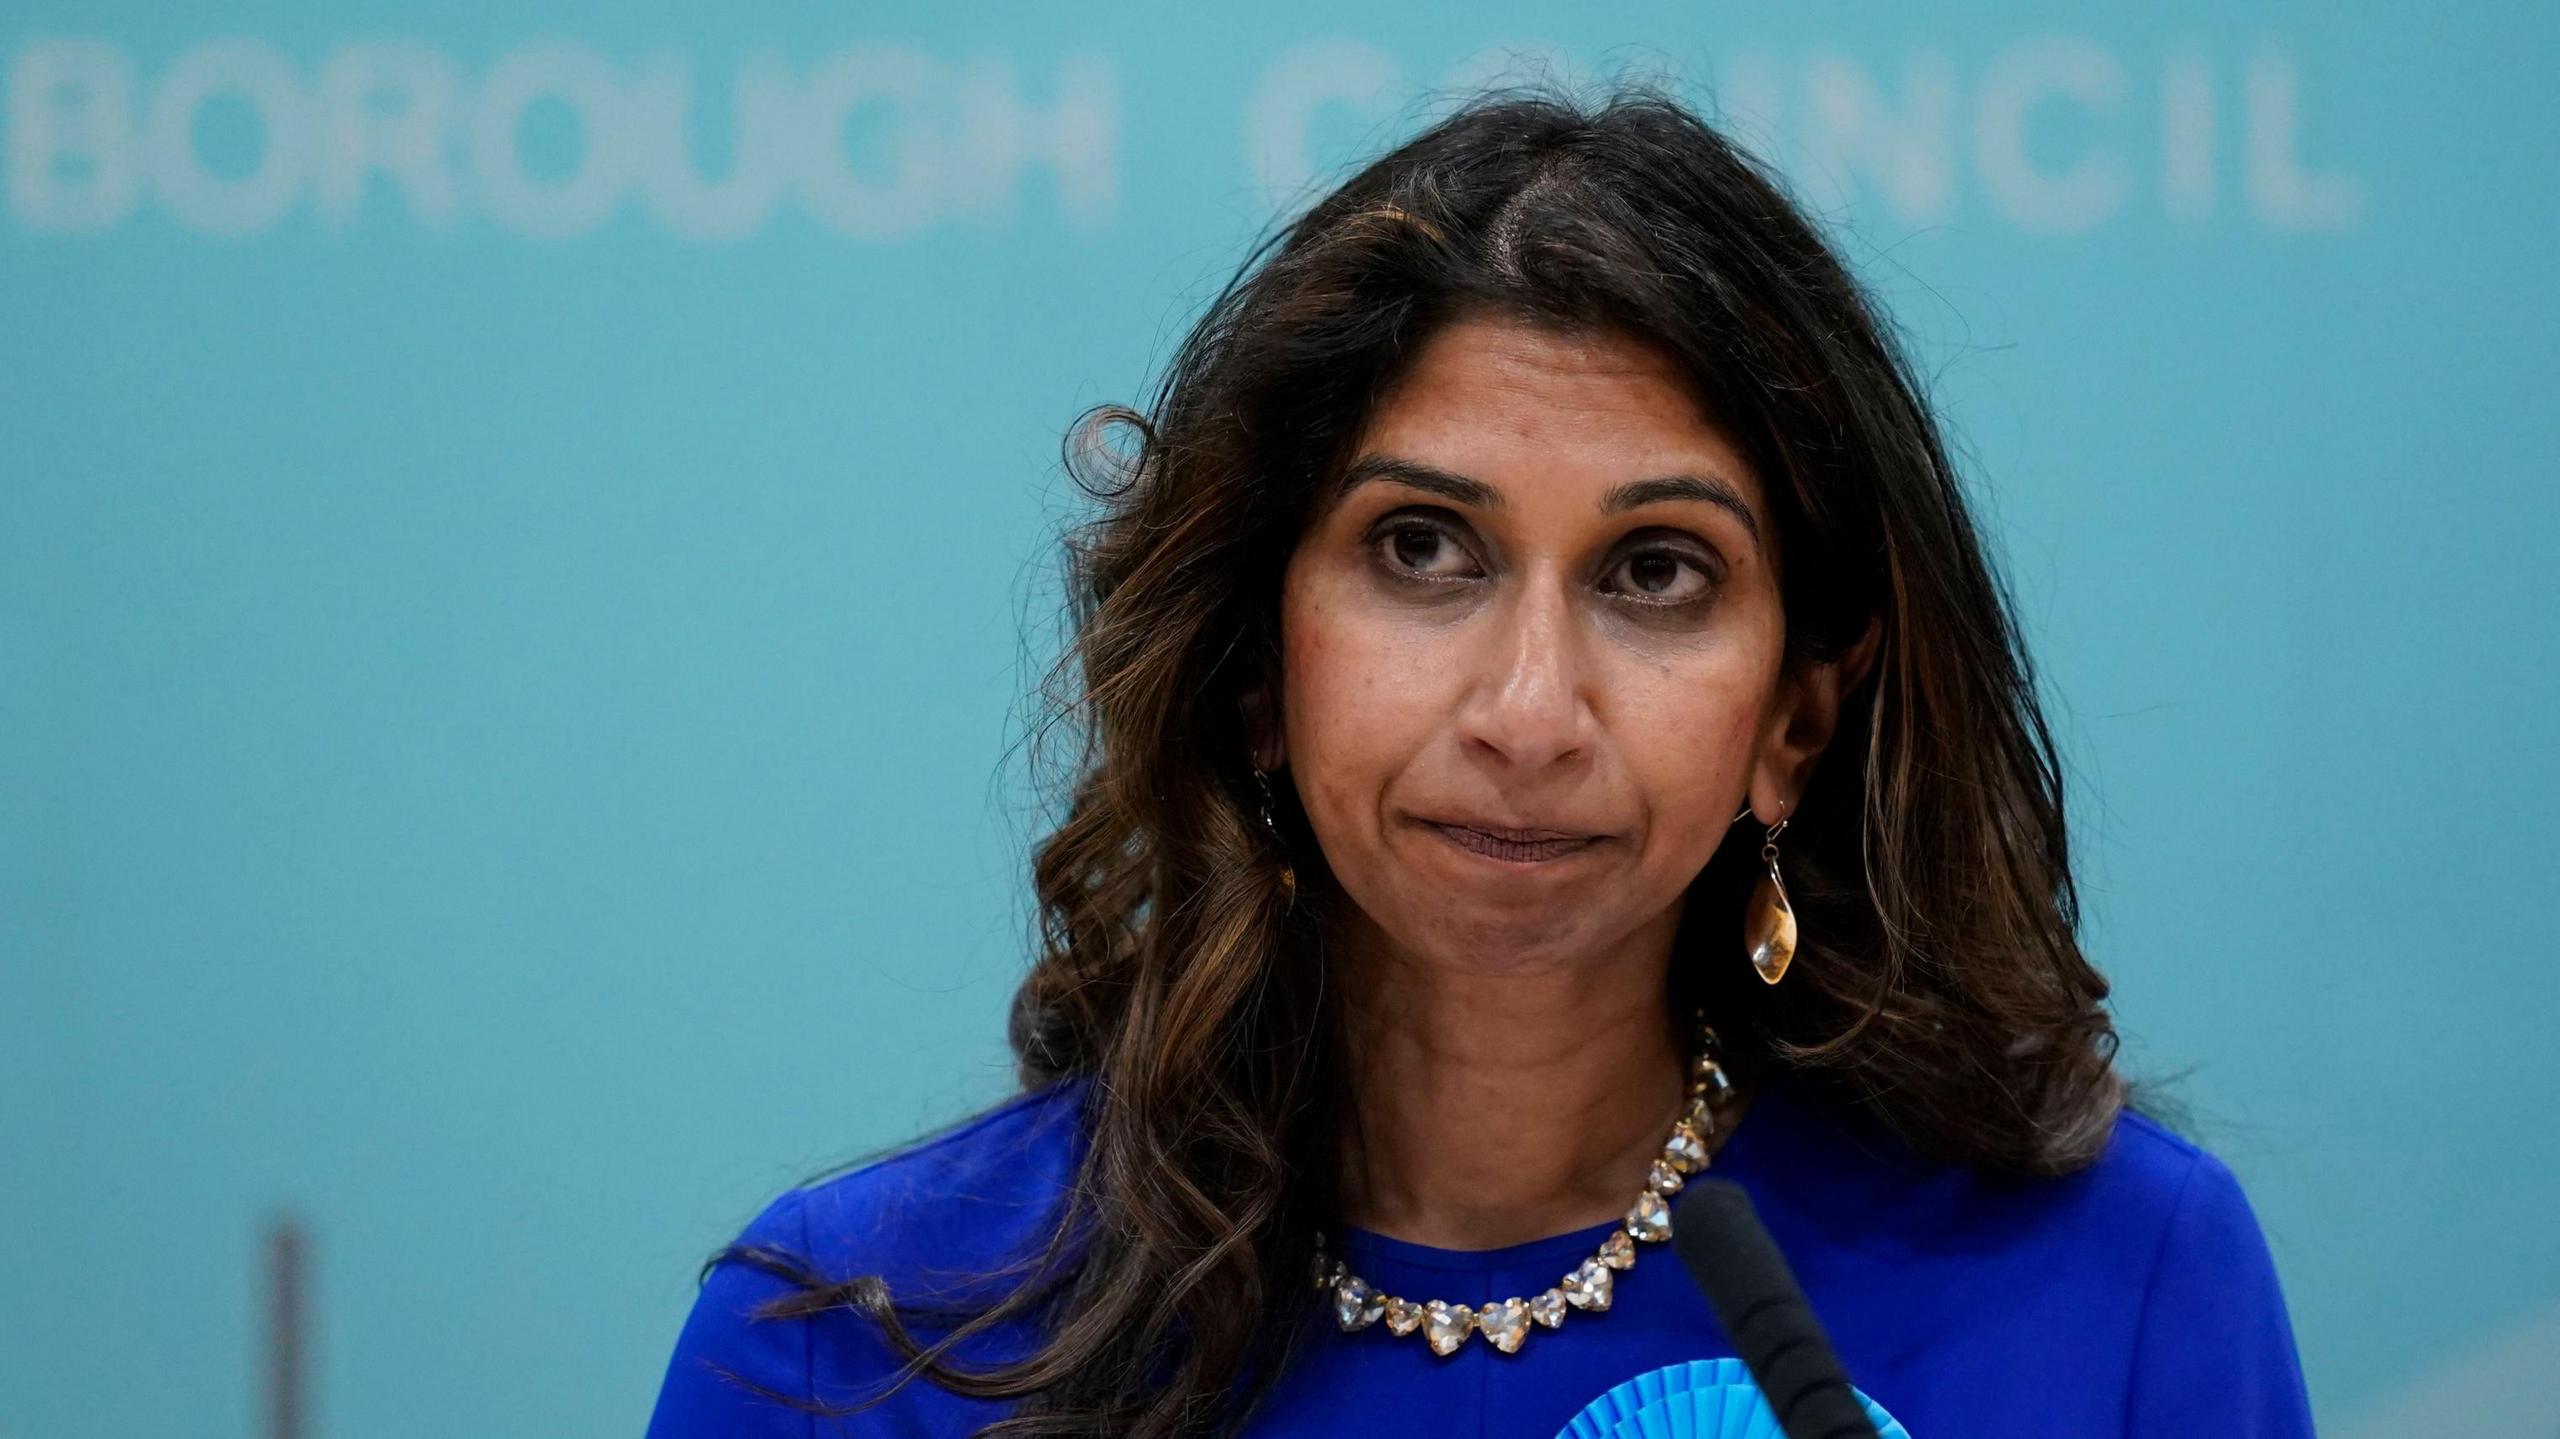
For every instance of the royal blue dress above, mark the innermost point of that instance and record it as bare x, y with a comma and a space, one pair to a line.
2134, 1298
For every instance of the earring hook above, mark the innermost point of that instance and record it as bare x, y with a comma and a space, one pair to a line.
1782, 817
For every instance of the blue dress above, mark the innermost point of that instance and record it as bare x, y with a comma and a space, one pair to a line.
2135, 1298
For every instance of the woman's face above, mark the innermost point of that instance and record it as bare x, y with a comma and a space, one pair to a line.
1544, 602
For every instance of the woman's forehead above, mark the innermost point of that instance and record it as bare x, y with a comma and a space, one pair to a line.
1535, 414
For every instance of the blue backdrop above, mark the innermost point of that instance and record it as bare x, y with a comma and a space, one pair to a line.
524, 535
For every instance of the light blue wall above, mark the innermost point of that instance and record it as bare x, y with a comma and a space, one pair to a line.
508, 656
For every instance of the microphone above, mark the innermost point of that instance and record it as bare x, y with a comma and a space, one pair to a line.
1718, 1234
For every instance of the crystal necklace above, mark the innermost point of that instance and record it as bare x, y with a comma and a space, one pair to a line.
1505, 1325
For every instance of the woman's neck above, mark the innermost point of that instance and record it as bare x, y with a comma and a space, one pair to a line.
1493, 1107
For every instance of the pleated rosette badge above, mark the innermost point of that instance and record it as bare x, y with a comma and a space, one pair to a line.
1701, 1399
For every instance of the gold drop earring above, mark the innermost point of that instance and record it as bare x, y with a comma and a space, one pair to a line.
1288, 871
1768, 921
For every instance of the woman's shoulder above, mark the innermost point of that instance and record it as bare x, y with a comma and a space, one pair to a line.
2141, 1280
2172, 1198
1848, 1162
928, 1218
2212, 1345
2151, 1171
2153, 1203
957, 1203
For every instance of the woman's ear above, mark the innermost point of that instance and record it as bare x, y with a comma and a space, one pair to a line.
1807, 715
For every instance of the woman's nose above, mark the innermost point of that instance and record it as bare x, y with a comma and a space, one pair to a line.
1526, 695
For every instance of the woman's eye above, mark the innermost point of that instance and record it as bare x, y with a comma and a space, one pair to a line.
1654, 577
1413, 547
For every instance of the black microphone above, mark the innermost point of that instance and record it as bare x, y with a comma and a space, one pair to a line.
1756, 1298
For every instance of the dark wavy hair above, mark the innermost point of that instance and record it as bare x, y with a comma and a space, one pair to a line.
1940, 987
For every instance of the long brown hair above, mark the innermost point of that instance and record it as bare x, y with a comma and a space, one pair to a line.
1941, 987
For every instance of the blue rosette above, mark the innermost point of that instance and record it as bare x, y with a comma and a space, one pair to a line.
1701, 1399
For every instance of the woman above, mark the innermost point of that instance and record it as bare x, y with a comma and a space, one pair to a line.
1550, 730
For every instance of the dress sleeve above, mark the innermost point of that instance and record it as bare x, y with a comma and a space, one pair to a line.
697, 1400
2214, 1353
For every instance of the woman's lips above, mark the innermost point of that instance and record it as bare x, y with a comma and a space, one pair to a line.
1511, 851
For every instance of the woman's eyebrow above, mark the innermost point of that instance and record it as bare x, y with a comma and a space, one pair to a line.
1467, 490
